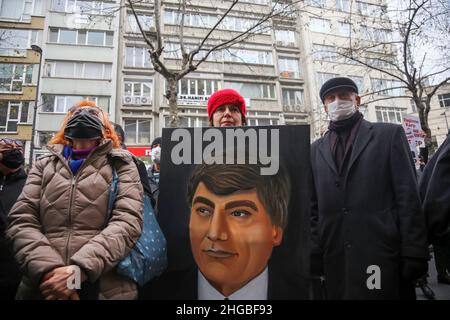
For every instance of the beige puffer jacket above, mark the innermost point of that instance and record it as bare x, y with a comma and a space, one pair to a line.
59, 218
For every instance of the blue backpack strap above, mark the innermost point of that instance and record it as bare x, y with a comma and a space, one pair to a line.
113, 190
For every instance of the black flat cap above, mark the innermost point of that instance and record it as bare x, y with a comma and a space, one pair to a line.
337, 83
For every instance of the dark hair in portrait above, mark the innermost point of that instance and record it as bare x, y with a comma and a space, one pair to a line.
224, 179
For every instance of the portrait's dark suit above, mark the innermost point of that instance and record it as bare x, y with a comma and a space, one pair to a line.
182, 285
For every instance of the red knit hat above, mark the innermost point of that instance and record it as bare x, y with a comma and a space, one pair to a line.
226, 96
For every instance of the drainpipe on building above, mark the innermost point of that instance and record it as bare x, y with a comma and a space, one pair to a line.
33, 126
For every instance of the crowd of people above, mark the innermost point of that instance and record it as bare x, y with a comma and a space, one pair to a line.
368, 207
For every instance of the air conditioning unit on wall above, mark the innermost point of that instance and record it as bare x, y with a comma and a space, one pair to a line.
145, 100
127, 100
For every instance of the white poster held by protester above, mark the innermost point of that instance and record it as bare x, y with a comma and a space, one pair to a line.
414, 133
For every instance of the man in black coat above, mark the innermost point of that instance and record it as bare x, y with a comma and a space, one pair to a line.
435, 192
368, 230
12, 180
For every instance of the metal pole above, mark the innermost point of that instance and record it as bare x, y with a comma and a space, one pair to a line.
33, 126
446, 121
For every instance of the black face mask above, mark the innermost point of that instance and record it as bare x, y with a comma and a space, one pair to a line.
12, 159
84, 125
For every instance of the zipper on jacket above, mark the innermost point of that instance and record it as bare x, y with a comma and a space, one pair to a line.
72, 189
72, 196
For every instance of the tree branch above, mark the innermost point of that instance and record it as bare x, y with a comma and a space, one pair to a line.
436, 87
141, 29
159, 46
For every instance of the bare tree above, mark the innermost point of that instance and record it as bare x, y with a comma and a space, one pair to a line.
418, 28
192, 56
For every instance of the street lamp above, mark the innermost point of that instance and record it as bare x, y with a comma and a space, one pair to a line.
33, 126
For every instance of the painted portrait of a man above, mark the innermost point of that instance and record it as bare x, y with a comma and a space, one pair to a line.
234, 230
237, 218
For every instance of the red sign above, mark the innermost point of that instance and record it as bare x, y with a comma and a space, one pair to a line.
140, 151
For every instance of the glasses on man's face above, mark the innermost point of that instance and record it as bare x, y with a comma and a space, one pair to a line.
96, 111
12, 142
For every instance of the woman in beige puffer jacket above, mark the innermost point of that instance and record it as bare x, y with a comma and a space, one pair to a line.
59, 220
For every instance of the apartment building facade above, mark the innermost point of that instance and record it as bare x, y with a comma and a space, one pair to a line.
439, 115
265, 69
21, 27
94, 50
326, 27
80, 56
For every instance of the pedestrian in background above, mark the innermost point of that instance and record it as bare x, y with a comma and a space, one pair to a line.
12, 180
435, 192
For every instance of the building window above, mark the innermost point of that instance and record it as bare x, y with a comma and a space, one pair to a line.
288, 67
390, 114
317, 3
61, 104
18, 10
14, 76
196, 91
137, 131
208, 21
322, 77
344, 29
387, 87
136, 57
369, 9
444, 100
377, 35
325, 53
145, 21
359, 82
172, 50
248, 56
343, 5
261, 2
261, 122
13, 113
189, 121
383, 63
285, 38
45, 137
137, 92
81, 37
81, 70
84, 7
413, 106
292, 100
320, 25
253, 90
15, 42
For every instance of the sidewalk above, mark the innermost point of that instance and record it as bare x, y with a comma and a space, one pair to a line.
441, 291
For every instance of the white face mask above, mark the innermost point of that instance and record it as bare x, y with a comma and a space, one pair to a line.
155, 154
341, 109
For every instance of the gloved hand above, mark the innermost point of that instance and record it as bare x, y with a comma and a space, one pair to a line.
413, 268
